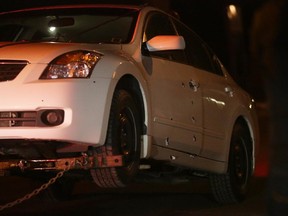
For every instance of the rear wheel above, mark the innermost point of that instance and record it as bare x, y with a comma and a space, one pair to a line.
123, 138
232, 186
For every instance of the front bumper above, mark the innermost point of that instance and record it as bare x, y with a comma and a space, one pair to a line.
83, 101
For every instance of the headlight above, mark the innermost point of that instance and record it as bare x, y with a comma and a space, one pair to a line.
76, 64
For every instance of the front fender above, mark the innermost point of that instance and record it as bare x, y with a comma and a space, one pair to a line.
118, 69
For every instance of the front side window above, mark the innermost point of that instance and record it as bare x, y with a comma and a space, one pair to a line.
158, 24
83, 25
161, 24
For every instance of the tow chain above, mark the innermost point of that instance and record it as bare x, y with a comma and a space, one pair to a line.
37, 190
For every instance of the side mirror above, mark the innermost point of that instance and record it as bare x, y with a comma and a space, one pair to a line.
165, 42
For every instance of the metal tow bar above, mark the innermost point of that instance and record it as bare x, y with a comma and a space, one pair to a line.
82, 162
62, 165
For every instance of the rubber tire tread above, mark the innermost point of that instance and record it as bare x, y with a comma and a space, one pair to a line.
110, 177
222, 184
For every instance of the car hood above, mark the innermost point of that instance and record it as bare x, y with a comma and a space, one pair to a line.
45, 52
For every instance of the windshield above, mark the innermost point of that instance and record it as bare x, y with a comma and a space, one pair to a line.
83, 25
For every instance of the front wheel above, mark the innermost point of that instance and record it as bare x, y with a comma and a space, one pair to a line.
123, 138
232, 186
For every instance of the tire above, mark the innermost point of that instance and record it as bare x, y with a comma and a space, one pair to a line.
123, 138
232, 187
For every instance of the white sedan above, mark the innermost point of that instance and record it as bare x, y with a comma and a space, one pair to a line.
112, 89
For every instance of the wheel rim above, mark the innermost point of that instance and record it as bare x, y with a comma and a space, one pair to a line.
127, 135
241, 169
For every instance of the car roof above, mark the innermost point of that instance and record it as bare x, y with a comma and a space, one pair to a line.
72, 6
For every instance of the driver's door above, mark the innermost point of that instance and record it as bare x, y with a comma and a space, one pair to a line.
176, 96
